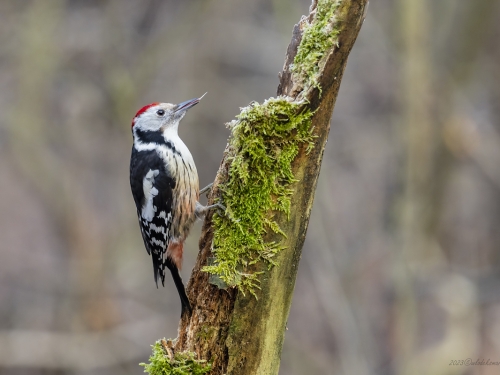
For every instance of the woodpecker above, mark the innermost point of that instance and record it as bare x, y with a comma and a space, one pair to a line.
165, 187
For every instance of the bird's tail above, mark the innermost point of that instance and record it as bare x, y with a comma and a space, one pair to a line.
186, 306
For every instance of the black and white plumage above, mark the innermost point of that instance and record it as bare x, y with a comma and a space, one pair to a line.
165, 187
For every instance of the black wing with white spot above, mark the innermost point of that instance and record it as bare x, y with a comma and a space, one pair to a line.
152, 190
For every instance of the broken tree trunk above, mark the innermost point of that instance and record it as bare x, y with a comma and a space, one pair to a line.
237, 332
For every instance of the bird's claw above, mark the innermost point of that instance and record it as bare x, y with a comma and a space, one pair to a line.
220, 206
206, 188
201, 210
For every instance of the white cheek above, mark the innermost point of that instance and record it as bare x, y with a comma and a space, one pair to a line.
149, 122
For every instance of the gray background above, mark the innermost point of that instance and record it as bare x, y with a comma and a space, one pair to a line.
400, 268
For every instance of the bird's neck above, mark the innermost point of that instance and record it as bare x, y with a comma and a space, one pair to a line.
145, 138
163, 141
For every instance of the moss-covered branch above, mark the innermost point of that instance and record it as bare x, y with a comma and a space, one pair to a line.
265, 140
267, 180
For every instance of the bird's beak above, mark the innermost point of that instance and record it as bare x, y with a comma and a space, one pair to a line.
184, 106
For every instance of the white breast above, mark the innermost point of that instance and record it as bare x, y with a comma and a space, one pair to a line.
186, 192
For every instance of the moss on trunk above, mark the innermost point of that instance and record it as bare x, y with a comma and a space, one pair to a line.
273, 159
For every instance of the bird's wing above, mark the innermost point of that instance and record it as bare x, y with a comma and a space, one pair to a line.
152, 190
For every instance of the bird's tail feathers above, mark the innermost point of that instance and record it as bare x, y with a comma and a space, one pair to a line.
186, 306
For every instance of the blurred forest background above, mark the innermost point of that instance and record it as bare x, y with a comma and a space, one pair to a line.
400, 272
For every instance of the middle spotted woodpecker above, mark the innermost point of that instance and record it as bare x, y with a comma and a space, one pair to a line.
165, 187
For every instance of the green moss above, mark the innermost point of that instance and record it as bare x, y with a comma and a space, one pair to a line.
183, 363
317, 39
265, 140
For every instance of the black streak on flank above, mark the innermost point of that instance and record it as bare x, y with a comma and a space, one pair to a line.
155, 137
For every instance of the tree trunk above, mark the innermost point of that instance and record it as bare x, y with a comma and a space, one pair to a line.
238, 332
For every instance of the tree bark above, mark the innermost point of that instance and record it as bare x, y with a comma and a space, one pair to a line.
239, 333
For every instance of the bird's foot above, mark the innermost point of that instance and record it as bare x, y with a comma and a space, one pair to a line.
201, 210
220, 206
207, 189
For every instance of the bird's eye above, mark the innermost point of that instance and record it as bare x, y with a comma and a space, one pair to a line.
160, 112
